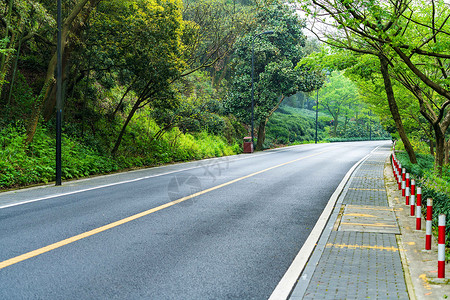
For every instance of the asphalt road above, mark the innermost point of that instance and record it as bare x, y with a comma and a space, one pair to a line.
234, 240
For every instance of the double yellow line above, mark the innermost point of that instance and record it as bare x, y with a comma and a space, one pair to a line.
28, 255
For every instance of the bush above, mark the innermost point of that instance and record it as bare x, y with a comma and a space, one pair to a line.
35, 163
425, 163
22, 165
292, 125
432, 186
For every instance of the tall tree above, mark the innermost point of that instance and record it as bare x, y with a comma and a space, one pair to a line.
162, 43
20, 21
47, 98
275, 72
409, 38
338, 96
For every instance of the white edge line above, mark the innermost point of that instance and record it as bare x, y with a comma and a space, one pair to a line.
95, 188
142, 178
289, 279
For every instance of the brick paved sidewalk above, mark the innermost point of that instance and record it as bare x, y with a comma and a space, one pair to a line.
357, 256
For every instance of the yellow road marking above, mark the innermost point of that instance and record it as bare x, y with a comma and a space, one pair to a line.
357, 189
372, 225
371, 208
425, 282
28, 255
363, 247
360, 215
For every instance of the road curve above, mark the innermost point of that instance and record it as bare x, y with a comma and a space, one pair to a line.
141, 235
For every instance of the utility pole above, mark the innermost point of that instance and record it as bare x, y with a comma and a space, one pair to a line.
317, 111
58, 97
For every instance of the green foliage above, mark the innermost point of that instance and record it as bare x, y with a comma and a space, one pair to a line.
433, 186
21, 166
290, 125
36, 163
21, 102
3, 46
275, 59
425, 162
142, 42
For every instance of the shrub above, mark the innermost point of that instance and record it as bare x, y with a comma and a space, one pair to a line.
432, 186
292, 125
35, 163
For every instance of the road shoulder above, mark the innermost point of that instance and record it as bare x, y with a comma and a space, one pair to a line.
312, 249
420, 265
357, 255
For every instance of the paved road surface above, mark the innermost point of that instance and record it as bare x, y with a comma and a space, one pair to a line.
234, 240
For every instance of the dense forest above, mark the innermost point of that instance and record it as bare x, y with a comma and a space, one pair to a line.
147, 82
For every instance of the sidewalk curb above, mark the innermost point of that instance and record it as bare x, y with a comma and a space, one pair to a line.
287, 283
406, 272
404, 260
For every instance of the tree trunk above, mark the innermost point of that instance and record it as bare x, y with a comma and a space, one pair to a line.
394, 108
345, 125
432, 147
49, 78
124, 127
48, 110
447, 148
335, 125
440, 148
6, 56
261, 135
262, 125
35, 115
13, 77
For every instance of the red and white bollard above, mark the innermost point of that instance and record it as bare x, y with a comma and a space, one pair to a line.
407, 179
394, 166
412, 200
428, 224
407, 195
403, 181
399, 176
441, 247
418, 208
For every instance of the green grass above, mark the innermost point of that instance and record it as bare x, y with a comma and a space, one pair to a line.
22, 165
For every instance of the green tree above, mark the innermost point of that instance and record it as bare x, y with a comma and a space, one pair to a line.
339, 97
141, 43
77, 14
20, 22
161, 43
410, 39
275, 75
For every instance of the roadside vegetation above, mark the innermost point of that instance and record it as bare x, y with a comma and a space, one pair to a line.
149, 82
397, 55
433, 186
